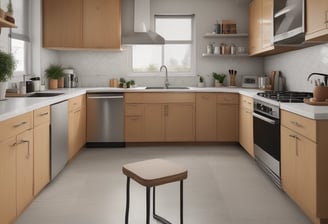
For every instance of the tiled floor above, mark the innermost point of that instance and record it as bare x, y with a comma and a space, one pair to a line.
224, 186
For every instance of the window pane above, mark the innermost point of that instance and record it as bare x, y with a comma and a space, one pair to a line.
146, 58
174, 28
178, 57
18, 50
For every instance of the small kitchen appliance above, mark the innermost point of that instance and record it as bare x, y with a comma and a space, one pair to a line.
71, 79
249, 81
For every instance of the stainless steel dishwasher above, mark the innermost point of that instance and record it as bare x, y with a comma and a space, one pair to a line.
105, 120
59, 137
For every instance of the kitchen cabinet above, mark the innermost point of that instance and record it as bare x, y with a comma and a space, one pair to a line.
62, 24
76, 125
79, 24
24, 170
304, 163
246, 124
317, 20
227, 117
16, 166
217, 117
206, 117
159, 117
260, 27
102, 24
41, 148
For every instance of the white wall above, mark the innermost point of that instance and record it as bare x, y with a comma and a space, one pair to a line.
297, 65
96, 68
4, 41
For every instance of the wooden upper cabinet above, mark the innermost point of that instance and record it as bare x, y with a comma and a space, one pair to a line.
102, 24
62, 23
82, 24
260, 26
317, 20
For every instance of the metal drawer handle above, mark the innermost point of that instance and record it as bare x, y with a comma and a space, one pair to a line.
20, 124
294, 136
105, 97
296, 124
28, 147
43, 114
268, 120
77, 111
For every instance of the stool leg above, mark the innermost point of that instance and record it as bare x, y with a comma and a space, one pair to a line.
127, 200
181, 202
148, 205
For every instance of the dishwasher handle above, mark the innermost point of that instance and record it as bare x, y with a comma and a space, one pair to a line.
105, 97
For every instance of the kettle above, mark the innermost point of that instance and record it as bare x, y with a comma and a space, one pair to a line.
71, 80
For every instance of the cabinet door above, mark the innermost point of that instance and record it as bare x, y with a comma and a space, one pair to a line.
298, 170
206, 117
24, 170
62, 23
267, 24
102, 24
227, 122
246, 130
154, 122
255, 14
8, 180
41, 157
317, 19
74, 132
82, 134
179, 122
134, 128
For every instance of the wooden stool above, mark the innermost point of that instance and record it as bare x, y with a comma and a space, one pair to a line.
151, 173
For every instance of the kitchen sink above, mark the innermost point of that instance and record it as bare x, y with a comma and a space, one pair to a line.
44, 94
170, 87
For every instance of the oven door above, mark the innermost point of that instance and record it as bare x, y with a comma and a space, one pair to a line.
267, 144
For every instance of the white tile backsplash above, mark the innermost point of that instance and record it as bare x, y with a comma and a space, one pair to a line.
297, 65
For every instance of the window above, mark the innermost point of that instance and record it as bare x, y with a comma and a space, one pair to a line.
20, 36
176, 53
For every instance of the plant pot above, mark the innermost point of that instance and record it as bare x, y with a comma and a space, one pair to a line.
53, 84
320, 93
2, 14
218, 84
201, 84
3, 88
61, 83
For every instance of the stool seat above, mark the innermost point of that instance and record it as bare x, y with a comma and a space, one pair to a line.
151, 173
155, 172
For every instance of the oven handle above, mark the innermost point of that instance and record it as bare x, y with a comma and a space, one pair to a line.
268, 120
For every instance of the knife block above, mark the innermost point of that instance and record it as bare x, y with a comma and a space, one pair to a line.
232, 80
320, 93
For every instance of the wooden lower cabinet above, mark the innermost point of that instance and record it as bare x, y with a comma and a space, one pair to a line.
317, 20
24, 174
246, 124
8, 180
298, 165
227, 123
179, 122
76, 125
41, 139
206, 117
159, 117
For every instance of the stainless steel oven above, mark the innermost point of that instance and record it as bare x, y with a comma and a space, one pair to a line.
266, 122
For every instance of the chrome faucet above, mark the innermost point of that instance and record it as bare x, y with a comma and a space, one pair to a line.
325, 76
166, 83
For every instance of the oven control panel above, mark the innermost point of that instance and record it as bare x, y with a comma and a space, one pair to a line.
267, 109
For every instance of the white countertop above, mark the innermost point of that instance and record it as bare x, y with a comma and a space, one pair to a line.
14, 106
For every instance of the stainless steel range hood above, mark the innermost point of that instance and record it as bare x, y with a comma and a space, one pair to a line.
136, 23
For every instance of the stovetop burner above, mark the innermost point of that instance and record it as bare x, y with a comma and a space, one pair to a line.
286, 96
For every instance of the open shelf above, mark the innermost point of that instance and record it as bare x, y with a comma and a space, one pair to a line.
4, 23
225, 55
214, 35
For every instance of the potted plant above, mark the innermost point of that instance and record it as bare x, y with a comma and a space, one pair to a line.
55, 73
123, 83
219, 79
132, 83
7, 67
200, 81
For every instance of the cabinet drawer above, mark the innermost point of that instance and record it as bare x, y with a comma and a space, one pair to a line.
41, 116
76, 103
299, 124
227, 98
169, 98
134, 109
133, 97
246, 102
16, 125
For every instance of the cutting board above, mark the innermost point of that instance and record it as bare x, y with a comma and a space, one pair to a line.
316, 103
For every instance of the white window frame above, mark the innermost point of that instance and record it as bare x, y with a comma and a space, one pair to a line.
193, 50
